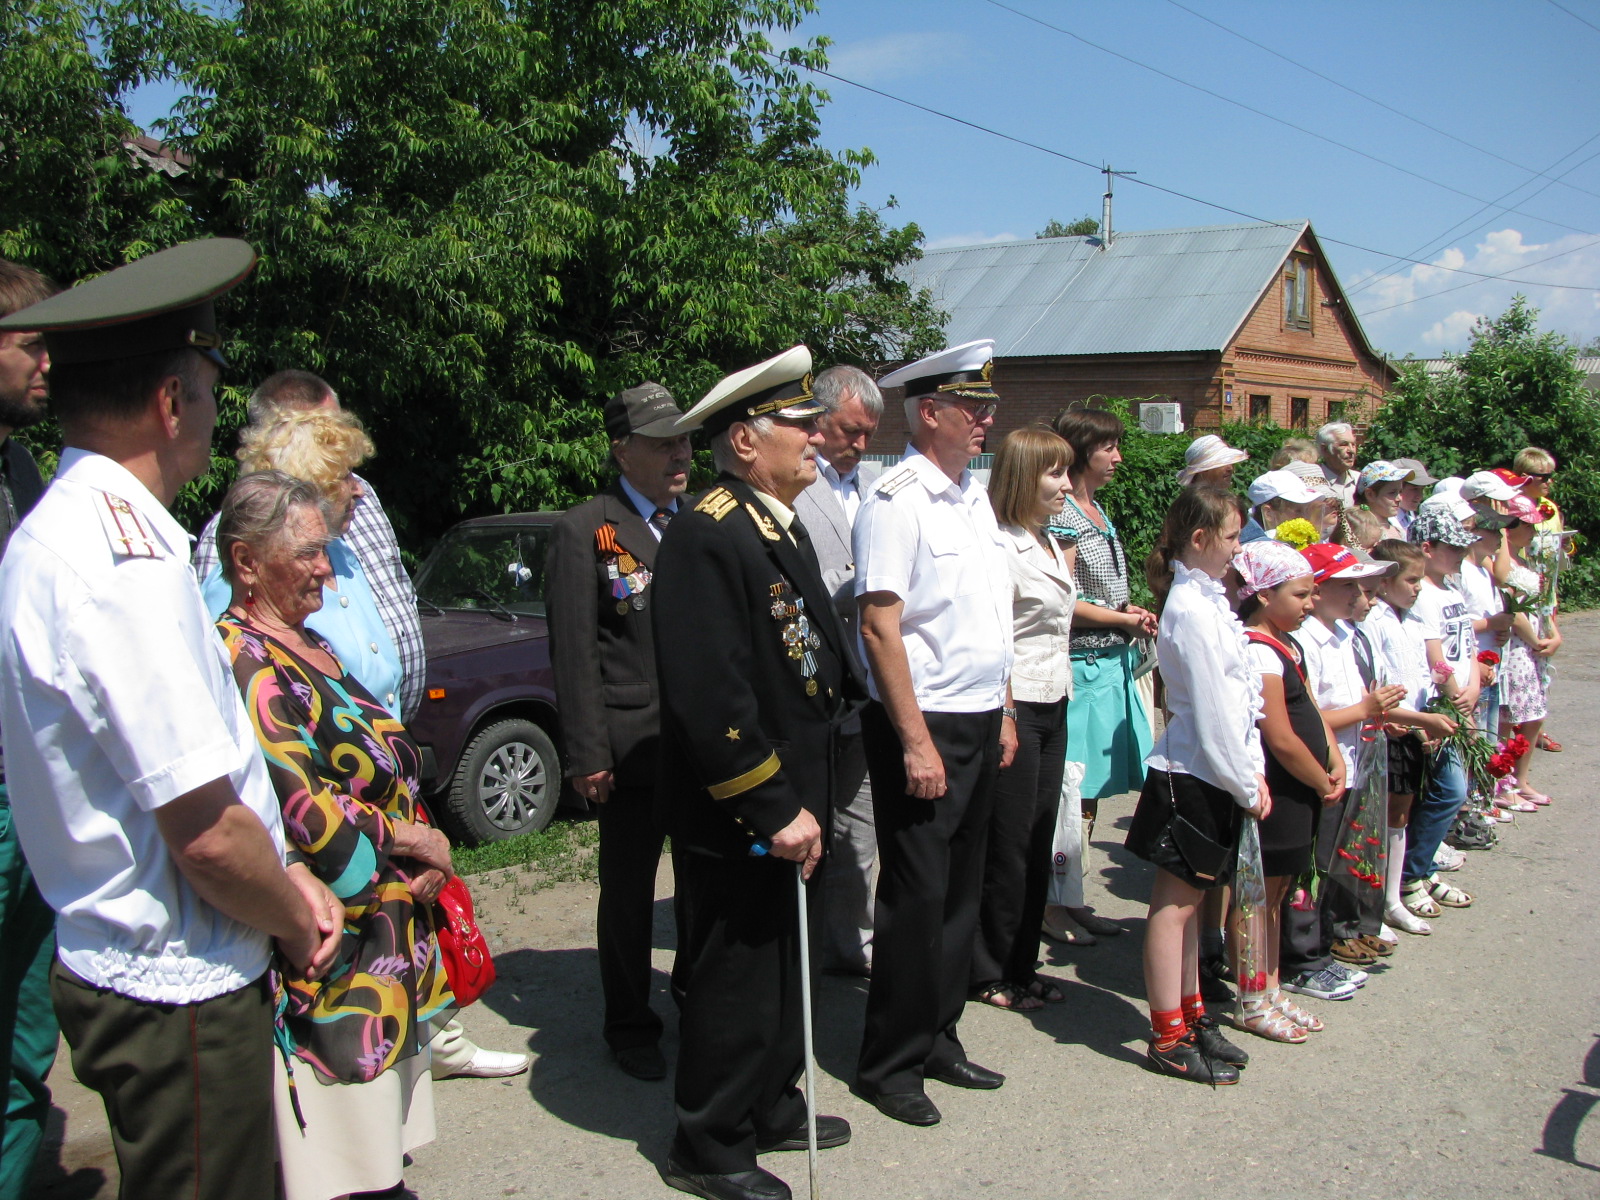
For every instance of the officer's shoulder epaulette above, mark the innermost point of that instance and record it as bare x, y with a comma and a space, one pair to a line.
129, 534
717, 503
892, 481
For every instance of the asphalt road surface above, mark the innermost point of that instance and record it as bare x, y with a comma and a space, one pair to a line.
1468, 1068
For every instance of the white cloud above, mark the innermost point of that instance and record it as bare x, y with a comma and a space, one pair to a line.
1451, 333
878, 60
1425, 309
970, 239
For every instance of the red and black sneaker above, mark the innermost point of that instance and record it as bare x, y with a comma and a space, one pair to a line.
1187, 1061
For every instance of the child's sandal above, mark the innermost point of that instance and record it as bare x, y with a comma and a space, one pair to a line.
1268, 1021
1307, 1020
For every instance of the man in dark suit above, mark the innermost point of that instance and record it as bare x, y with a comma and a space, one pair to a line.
755, 672
599, 593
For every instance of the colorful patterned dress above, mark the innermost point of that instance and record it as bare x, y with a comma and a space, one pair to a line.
345, 771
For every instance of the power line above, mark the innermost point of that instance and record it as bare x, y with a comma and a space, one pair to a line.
1576, 17
1385, 273
1294, 62
1485, 279
1270, 117
1082, 162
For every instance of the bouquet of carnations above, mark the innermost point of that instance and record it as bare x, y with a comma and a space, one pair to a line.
1250, 916
1359, 858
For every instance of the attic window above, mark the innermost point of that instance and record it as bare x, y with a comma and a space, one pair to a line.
1297, 294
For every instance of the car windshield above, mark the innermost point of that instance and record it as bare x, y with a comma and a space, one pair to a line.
498, 568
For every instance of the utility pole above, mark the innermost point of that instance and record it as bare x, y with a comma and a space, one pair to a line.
1105, 207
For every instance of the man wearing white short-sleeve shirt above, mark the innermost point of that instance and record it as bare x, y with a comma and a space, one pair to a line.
141, 796
934, 592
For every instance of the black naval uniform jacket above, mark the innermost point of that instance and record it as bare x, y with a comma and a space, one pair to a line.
746, 735
603, 646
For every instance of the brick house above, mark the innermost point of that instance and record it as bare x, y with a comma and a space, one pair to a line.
1234, 322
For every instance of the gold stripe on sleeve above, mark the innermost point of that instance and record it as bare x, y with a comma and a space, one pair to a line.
743, 783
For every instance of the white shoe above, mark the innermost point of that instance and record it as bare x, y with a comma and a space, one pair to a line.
1389, 935
1404, 919
491, 1064
1448, 858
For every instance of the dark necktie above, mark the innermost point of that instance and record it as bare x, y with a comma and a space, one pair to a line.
661, 518
802, 541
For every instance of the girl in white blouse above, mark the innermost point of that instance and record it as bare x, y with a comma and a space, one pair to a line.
1028, 487
1205, 774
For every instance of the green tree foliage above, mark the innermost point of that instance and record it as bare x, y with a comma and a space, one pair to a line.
1146, 483
1082, 227
1514, 387
476, 218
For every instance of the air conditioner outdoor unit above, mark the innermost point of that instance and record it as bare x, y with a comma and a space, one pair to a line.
1166, 417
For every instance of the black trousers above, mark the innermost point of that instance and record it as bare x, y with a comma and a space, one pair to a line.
187, 1087
630, 852
1022, 826
930, 877
741, 1046
1308, 936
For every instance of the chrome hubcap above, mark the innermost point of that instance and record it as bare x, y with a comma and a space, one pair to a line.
513, 785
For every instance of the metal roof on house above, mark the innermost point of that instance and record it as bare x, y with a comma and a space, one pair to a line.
1159, 291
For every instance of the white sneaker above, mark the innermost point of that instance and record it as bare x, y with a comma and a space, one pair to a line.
1402, 918
1448, 858
492, 1064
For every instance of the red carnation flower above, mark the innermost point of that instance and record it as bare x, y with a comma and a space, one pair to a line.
1489, 658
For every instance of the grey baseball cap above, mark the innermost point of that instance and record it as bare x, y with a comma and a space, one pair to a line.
648, 409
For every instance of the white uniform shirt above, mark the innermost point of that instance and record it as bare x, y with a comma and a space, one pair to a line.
116, 697
935, 545
1446, 619
1398, 643
1483, 600
1212, 693
1042, 596
1334, 680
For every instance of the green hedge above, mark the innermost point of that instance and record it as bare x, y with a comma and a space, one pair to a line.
1139, 494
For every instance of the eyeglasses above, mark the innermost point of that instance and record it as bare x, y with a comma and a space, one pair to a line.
978, 410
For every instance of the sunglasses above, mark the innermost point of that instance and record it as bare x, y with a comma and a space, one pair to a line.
979, 409
1546, 477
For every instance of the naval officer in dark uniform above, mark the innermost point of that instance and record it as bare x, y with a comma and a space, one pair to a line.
755, 672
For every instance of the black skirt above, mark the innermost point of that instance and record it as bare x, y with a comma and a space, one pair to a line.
1405, 764
1188, 828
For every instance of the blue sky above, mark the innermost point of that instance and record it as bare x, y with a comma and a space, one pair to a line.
1514, 79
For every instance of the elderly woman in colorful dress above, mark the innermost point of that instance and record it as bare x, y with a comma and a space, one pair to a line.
355, 1095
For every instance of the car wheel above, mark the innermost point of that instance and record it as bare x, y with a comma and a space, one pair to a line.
508, 782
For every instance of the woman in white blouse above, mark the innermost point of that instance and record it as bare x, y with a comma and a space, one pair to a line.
1028, 486
1204, 774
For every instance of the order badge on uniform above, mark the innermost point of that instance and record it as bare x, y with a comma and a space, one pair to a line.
799, 639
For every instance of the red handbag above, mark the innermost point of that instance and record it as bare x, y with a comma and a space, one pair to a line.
468, 965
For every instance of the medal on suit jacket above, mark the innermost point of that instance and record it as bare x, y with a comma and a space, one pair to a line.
799, 639
629, 577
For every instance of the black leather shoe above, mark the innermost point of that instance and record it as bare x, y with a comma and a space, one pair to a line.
1208, 1036
642, 1062
913, 1108
1185, 1061
968, 1075
742, 1185
831, 1131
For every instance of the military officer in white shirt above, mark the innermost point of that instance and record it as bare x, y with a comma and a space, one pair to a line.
829, 508
141, 796
934, 590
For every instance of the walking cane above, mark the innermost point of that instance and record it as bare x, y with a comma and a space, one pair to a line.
805, 1010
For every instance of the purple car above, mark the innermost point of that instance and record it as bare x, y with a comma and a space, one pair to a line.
488, 727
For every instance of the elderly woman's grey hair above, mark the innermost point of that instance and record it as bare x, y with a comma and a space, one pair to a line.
830, 387
256, 509
1333, 429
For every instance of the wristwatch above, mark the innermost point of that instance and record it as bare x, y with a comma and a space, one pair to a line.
1009, 712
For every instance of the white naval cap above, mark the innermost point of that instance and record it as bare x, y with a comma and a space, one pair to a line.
780, 386
963, 371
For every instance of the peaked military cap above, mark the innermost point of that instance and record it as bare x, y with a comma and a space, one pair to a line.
778, 387
165, 301
962, 371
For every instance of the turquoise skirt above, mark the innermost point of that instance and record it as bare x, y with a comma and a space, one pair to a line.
1108, 729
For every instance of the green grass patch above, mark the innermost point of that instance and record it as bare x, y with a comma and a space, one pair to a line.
563, 852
